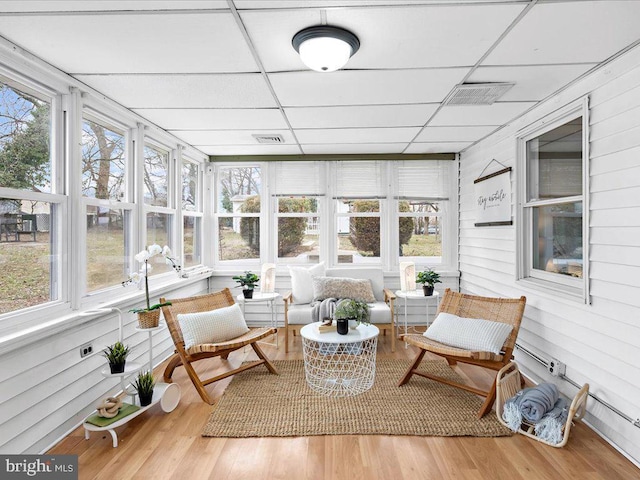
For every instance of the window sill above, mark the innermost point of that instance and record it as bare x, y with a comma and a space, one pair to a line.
553, 289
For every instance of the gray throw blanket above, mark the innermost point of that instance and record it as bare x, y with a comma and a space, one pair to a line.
541, 406
321, 309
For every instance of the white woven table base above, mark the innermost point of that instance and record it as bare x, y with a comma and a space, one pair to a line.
340, 369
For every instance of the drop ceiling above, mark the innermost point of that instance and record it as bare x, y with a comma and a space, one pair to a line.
217, 73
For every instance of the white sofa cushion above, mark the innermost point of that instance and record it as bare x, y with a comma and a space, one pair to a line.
301, 314
215, 326
301, 284
341, 287
472, 334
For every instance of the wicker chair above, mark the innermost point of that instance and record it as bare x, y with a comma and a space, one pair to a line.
505, 310
185, 357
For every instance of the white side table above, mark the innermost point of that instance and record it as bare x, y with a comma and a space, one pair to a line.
340, 365
417, 296
270, 300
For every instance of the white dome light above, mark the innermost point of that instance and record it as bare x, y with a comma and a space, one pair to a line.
324, 48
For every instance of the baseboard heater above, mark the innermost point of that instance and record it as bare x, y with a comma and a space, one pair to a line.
557, 368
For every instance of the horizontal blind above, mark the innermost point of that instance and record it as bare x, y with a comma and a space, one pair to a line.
298, 178
359, 179
424, 179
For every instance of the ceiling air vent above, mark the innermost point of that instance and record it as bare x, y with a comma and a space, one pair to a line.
268, 138
477, 93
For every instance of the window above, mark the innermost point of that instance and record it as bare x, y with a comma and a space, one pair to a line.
104, 187
238, 210
30, 201
191, 214
553, 211
159, 211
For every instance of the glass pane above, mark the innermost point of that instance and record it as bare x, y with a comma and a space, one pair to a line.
558, 230
236, 186
192, 243
156, 177
103, 163
239, 238
298, 205
299, 239
358, 239
26, 254
554, 162
358, 206
159, 232
106, 247
25, 132
420, 237
189, 186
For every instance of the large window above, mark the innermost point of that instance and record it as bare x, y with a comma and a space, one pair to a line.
553, 210
104, 188
191, 214
238, 210
29, 201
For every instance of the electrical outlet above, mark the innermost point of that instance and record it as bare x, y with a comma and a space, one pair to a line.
557, 368
86, 350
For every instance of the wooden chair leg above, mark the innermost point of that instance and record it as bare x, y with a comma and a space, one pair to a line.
174, 362
262, 356
286, 339
225, 356
411, 368
491, 398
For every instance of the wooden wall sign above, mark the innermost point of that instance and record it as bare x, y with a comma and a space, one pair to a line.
493, 198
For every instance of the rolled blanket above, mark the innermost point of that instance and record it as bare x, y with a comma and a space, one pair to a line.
550, 427
322, 309
530, 404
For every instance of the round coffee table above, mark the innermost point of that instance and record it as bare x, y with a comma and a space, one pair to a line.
340, 365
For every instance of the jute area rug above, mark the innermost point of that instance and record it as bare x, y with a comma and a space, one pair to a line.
259, 404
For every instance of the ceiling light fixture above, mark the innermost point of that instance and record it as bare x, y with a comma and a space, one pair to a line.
324, 48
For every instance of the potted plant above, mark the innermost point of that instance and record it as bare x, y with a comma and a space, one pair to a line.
349, 309
116, 355
149, 316
428, 278
248, 282
144, 386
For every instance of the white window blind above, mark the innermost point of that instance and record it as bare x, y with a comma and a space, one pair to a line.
298, 178
359, 179
424, 179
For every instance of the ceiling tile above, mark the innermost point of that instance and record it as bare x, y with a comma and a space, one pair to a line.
134, 43
107, 5
214, 118
569, 32
437, 147
532, 83
356, 148
365, 87
249, 149
357, 135
496, 114
360, 116
184, 91
453, 134
229, 137
288, 4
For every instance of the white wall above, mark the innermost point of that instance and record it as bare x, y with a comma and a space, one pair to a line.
599, 343
46, 389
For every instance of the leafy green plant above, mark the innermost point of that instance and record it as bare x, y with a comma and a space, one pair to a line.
248, 281
144, 383
352, 310
428, 277
116, 354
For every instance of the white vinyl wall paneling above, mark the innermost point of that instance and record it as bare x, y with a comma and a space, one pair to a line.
599, 343
46, 389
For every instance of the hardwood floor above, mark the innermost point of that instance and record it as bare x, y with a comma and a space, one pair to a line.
169, 446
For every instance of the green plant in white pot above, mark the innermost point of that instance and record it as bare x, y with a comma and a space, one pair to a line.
350, 309
428, 278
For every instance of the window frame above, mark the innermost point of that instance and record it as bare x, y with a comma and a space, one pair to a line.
568, 287
197, 213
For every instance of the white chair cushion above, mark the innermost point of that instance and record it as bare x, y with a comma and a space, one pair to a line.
340, 287
301, 284
216, 326
472, 334
301, 314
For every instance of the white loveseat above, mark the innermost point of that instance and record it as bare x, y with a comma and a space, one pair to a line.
298, 314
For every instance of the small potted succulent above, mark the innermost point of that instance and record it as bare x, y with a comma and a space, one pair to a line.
349, 309
428, 278
248, 282
116, 355
144, 386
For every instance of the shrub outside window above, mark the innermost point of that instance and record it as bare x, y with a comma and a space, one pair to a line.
358, 230
298, 229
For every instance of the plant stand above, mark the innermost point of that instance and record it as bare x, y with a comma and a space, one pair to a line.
167, 394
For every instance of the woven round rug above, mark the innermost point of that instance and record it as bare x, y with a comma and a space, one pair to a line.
259, 404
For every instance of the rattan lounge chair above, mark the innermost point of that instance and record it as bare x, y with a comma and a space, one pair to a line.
186, 357
505, 310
